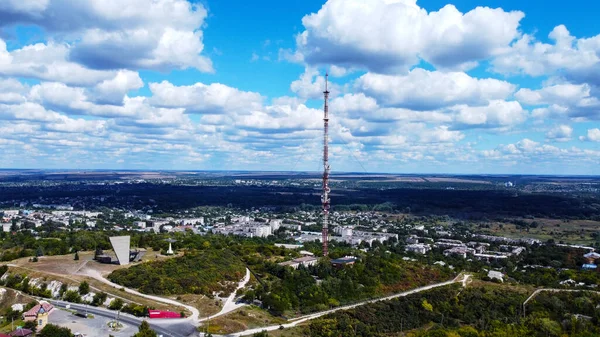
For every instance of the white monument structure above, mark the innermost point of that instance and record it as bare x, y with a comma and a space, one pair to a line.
120, 245
170, 251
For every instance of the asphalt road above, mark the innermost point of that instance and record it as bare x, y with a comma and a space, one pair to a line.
163, 327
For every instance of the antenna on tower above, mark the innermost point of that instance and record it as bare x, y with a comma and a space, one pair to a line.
325, 196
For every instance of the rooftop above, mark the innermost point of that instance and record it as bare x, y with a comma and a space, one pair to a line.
344, 260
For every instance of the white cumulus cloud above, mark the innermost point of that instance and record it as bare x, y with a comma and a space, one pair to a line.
391, 35
115, 34
421, 89
593, 135
560, 133
576, 59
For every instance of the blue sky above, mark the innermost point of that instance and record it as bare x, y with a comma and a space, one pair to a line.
417, 86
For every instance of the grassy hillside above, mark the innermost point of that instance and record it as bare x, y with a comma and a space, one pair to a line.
193, 273
484, 310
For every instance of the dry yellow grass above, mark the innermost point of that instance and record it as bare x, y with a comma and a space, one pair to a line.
95, 286
242, 319
206, 306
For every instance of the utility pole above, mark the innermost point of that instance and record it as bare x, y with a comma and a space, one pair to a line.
325, 196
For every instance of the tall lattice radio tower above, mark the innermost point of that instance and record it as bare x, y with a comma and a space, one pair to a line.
325, 196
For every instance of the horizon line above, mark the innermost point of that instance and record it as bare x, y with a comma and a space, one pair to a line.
296, 172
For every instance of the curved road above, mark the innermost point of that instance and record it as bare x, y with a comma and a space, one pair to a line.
458, 279
187, 326
96, 275
162, 327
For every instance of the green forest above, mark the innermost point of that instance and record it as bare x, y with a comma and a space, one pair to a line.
304, 290
193, 273
425, 199
281, 290
479, 311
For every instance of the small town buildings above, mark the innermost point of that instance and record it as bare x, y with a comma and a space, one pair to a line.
418, 248
343, 261
304, 261
591, 257
459, 251
447, 243
10, 212
412, 239
192, 221
288, 246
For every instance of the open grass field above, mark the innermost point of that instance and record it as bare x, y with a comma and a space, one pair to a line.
59, 264
66, 265
569, 231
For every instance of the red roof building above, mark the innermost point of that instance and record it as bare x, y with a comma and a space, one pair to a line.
42, 307
21, 333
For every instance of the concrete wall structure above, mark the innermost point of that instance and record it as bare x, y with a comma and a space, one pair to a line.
120, 245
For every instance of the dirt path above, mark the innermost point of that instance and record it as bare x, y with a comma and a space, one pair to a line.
230, 304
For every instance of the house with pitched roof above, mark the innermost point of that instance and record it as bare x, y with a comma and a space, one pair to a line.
39, 313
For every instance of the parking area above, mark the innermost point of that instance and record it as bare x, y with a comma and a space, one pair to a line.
89, 327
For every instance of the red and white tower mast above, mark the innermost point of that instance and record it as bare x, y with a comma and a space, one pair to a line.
325, 196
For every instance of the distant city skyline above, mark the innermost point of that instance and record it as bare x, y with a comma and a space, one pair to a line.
423, 87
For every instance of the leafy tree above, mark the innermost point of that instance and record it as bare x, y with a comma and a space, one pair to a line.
116, 304
145, 330
99, 299
426, 305
84, 288
136, 310
31, 325
25, 285
72, 296
52, 330
30, 305
12, 314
